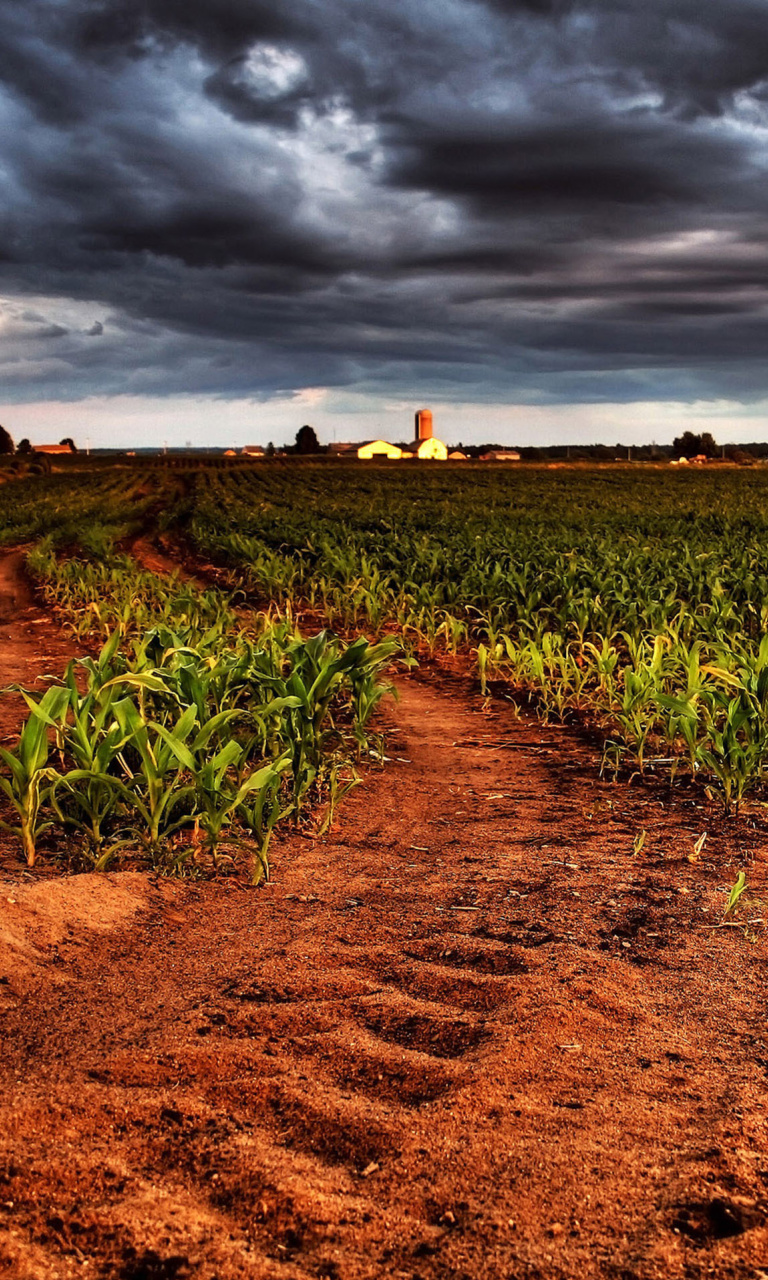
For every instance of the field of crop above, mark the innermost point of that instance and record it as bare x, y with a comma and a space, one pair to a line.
185, 726
634, 601
388, 844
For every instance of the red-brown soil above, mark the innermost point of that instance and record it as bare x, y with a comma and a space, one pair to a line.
469, 1034
151, 553
31, 643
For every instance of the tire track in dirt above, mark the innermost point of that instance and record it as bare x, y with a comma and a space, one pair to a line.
151, 555
424, 1050
32, 645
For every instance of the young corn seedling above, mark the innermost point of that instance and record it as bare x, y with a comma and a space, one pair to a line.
338, 788
28, 771
154, 783
734, 757
260, 811
87, 796
735, 895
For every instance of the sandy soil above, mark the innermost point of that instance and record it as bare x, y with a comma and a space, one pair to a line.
469, 1034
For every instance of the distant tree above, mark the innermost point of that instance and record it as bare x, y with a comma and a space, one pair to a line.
307, 441
270, 450
68, 440
709, 445
24, 446
690, 445
6, 443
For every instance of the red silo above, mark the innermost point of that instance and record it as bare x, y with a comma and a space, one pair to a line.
423, 424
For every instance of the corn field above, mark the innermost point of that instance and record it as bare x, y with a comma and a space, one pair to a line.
635, 602
188, 735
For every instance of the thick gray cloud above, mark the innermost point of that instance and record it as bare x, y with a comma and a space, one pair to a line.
511, 199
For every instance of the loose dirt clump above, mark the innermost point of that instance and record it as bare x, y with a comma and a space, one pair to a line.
470, 1034
35, 918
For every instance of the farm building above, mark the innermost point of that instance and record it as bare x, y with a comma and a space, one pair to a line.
343, 449
424, 425
54, 448
379, 449
426, 445
500, 455
431, 449
253, 451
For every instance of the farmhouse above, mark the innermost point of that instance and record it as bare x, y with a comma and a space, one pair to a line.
64, 447
253, 451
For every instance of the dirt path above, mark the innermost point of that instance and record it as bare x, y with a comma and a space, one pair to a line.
469, 1035
31, 642
151, 554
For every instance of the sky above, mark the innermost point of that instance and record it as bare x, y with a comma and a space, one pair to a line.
547, 220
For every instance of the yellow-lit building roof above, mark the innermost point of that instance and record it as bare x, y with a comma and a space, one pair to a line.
432, 449
379, 449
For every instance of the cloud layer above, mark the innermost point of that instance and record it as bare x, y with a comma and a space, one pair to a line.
522, 200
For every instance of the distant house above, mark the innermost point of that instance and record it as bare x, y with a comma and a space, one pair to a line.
253, 451
500, 455
456, 456
53, 448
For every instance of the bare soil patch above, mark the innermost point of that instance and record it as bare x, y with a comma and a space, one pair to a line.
469, 1034
32, 646
35, 917
156, 555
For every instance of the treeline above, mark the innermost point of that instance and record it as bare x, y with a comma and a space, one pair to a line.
741, 453
8, 447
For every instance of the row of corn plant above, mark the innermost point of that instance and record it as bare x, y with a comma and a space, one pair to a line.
636, 603
695, 710
189, 735
112, 594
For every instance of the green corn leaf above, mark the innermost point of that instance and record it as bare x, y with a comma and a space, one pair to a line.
736, 893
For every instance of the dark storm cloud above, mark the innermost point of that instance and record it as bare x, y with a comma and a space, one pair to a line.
535, 199
218, 28
573, 165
